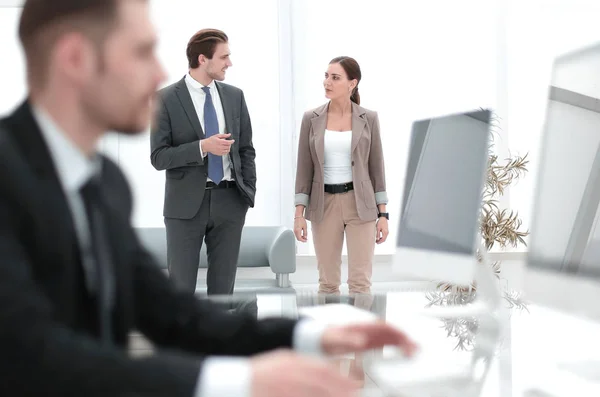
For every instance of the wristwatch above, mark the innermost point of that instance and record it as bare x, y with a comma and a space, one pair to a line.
385, 215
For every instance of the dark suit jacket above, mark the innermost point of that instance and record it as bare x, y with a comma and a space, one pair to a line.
174, 144
48, 328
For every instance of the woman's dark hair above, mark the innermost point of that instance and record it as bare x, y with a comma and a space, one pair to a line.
352, 70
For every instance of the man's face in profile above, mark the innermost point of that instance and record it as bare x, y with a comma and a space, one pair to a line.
220, 62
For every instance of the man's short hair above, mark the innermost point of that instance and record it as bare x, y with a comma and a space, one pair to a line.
44, 21
204, 42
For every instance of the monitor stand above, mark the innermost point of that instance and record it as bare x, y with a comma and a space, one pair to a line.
489, 295
488, 309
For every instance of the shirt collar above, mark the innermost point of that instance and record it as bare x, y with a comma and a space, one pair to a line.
193, 83
74, 168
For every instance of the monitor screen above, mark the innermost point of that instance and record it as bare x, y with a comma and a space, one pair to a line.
444, 182
564, 232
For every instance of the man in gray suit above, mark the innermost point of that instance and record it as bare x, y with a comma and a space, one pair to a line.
202, 137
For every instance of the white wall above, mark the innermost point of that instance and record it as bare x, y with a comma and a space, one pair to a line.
537, 31
416, 63
418, 59
255, 55
12, 65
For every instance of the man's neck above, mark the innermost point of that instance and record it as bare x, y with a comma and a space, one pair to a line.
201, 77
82, 132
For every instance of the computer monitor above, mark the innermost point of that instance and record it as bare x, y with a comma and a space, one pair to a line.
439, 221
564, 249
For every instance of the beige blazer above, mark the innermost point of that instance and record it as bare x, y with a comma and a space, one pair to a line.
368, 173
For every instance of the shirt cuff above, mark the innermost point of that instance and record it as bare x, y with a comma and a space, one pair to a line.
225, 376
381, 198
301, 199
201, 152
307, 337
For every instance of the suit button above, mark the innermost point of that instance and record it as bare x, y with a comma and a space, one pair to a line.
206, 174
352, 163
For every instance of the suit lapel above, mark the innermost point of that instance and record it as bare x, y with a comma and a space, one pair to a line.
29, 138
358, 124
227, 105
188, 106
319, 124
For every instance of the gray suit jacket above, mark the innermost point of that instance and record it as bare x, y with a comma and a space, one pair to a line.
174, 142
368, 170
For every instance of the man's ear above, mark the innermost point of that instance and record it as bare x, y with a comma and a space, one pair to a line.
76, 56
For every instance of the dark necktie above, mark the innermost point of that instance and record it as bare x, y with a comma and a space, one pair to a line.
211, 127
103, 266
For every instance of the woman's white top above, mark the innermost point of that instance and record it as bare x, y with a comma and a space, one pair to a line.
338, 157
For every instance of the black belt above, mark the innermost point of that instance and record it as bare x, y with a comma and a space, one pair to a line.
222, 185
341, 188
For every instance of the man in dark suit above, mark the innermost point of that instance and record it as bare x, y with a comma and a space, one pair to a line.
74, 279
203, 139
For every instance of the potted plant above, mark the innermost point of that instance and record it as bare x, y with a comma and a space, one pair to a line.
498, 226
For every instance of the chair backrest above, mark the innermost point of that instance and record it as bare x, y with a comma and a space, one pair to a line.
254, 248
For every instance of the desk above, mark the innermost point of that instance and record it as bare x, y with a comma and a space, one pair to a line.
534, 340
433, 335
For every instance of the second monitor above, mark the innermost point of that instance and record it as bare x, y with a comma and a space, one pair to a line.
439, 225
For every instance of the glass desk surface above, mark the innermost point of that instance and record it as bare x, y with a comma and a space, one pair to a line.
533, 340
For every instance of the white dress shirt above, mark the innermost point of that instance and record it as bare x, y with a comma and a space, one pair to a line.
337, 167
221, 376
198, 98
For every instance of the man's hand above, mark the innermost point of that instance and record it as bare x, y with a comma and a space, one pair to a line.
283, 373
361, 337
217, 144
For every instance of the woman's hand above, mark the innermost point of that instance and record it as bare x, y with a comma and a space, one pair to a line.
382, 230
300, 229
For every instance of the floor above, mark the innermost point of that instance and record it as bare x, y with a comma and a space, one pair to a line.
384, 279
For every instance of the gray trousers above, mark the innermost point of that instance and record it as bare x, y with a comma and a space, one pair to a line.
218, 223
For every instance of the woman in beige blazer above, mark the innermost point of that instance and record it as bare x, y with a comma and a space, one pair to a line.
340, 181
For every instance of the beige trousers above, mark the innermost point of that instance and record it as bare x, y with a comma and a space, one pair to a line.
341, 218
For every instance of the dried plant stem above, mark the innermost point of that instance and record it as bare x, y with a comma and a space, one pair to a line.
497, 226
